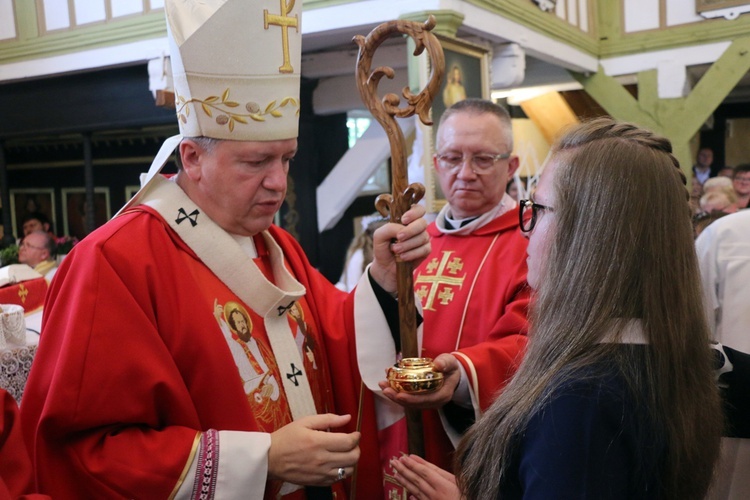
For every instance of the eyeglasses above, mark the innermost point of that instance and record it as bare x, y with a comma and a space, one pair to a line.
528, 212
29, 245
482, 162
742, 179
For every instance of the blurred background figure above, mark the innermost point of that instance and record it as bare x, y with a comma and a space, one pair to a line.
741, 184
512, 189
696, 191
37, 250
726, 171
704, 167
719, 183
359, 254
35, 221
718, 201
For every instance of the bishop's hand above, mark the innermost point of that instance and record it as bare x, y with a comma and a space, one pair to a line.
407, 242
304, 452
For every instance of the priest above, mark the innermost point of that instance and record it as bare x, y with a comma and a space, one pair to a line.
189, 349
473, 286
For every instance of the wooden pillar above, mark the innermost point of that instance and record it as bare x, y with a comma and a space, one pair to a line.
678, 119
88, 174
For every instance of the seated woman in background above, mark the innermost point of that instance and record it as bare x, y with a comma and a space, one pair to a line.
615, 397
718, 201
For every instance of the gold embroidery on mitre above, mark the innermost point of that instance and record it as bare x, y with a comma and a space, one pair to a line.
440, 284
283, 21
223, 105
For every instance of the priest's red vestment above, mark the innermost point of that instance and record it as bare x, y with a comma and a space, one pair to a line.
474, 299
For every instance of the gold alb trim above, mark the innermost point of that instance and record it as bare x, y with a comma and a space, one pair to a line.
474, 382
188, 464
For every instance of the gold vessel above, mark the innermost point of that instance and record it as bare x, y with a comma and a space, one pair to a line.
415, 376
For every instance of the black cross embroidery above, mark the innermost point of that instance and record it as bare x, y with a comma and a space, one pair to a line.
282, 309
296, 372
192, 216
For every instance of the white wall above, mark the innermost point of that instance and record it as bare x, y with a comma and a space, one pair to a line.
643, 15
7, 20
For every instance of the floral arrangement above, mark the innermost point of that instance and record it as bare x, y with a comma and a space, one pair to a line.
64, 244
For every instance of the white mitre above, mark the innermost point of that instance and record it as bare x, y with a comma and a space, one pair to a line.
236, 67
236, 71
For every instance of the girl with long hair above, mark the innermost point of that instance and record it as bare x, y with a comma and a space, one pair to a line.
615, 397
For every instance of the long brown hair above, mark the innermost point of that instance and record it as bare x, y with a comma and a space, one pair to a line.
622, 249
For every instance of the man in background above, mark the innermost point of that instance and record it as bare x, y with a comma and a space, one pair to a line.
704, 167
473, 285
37, 250
741, 184
35, 221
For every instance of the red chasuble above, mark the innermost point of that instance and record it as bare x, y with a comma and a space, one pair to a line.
474, 297
144, 350
15, 466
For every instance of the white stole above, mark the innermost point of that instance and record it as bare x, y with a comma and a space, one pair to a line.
226, 259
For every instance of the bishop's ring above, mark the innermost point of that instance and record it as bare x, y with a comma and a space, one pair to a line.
342, 473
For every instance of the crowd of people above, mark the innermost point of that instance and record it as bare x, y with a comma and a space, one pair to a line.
587, 350
717, 190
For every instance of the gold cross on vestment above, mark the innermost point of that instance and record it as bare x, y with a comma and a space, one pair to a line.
432, 283
284, 22
22, 293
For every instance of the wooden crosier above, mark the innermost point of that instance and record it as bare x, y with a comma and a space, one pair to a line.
404, 195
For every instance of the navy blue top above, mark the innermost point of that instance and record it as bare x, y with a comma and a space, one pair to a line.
592, 440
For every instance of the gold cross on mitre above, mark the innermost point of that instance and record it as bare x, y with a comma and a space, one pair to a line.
428, 285
284, 21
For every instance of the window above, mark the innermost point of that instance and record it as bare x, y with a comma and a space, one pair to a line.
357, 122
7, 20
64, 14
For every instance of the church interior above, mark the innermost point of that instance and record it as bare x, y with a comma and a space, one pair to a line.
88, 98
81, 115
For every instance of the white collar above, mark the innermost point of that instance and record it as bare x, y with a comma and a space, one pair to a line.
247, 245
506, 204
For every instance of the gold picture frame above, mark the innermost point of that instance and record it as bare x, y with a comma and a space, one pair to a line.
74, 216
467, 74
27, 200
130, 191
706, 5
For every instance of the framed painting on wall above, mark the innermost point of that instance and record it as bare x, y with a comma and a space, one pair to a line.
707, 5
74, 210
27, 201
130, 192
467, 74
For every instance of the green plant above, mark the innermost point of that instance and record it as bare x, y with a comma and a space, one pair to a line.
9, 255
